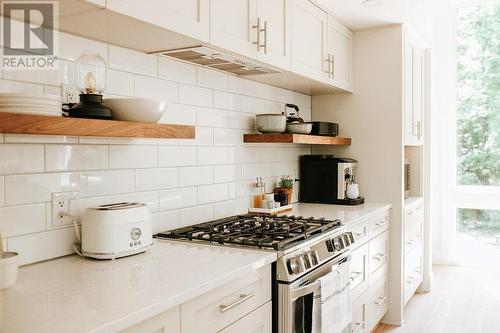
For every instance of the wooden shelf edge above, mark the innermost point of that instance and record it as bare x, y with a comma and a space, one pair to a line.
297, 139
45, 125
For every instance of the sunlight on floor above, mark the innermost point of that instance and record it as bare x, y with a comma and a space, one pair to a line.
463, 300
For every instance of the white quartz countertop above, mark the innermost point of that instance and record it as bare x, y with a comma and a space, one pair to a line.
347, 214
74, 294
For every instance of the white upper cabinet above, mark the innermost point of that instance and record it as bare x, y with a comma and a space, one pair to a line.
187, 17
274, 20
232, 26
414, 89
309, 43
258, 29
340, 53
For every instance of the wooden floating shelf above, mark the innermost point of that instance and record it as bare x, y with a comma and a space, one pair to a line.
296, 138
29, 124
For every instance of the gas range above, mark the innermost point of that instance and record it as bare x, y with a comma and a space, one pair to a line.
302, 244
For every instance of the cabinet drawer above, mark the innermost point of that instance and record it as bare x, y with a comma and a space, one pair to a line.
378, 251
359, 231
259, 321
377, 301
359, 316
414, 211
165, 322
219, 308
359, 271
379, 224
413, 272
414, 234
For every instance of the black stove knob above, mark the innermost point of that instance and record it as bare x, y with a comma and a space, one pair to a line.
314, 258
293, 265
347, 240
351, 237
330, 246
338, 243
307, 261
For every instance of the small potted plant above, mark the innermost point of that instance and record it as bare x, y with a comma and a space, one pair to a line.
285, 186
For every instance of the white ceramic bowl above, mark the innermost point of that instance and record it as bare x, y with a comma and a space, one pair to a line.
136, 109
8, 269
299, 128
270, 123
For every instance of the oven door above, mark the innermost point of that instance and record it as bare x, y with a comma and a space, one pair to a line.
295, 300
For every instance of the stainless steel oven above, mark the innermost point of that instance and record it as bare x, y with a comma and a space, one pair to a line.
295, 300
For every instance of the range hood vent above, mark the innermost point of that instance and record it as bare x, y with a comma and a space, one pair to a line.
216, 59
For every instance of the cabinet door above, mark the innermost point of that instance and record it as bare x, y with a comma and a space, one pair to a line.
165, 322
418, 93
408, 89
359, 271
187, 17
274, 18
340, 51
359, 314
309, 29
233, 26
258, 321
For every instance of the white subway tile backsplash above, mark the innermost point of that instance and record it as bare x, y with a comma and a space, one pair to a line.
166, 220
120, 83
19, 220
212, 193
195, 95
72, 47
209, 78
190, 176
75, 157
156, 178
227, 100
227, 173
178, 198
24, 189
148, 87
176, 156
211, 117
132, 61
198, 214
121, 157
240, 86
178, 71
43, 246
98, 183
212, 155
31, 138
183, 181
179, 114
264, 91
21, 158
98, 140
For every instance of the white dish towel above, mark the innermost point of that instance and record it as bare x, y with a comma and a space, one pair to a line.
332, 310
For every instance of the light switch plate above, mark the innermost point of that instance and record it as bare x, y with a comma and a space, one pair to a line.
63, 204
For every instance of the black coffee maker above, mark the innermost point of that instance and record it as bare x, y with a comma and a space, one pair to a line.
324, 179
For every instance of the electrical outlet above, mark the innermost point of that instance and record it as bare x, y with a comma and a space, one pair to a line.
63, 204
70, 94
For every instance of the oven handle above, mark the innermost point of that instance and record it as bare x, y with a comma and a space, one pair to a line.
312, 287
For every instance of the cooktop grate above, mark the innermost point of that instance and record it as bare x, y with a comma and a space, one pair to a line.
275, 233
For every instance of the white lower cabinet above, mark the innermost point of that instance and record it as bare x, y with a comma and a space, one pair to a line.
221, 307
413, 259
242, 305
259, 321
165, 322
369, 271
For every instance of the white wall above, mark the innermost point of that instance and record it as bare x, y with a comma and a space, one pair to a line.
182, 181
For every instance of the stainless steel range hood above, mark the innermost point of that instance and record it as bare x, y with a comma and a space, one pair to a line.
216, 59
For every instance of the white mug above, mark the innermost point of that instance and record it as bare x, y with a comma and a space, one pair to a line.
352, 191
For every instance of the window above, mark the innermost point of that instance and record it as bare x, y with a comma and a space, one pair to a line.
478, 104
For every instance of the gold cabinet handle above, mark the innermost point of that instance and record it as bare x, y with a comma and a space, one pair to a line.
332, 66
223, 307
329, 71
265, 37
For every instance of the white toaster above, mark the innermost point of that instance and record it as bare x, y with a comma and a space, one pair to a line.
116, 230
